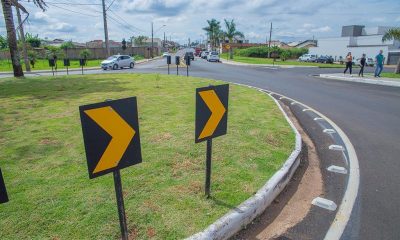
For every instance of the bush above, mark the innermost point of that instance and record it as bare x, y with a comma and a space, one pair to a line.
262, 52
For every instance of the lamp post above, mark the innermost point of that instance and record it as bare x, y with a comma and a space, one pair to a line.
152, 37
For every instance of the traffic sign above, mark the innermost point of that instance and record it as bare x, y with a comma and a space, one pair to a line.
3, 191
228, 46
111, 135
211, 112
211, 120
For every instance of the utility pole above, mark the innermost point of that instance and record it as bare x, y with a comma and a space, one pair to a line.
164, 41
22, 38
189, 42
105, 28
152, 40
269, 42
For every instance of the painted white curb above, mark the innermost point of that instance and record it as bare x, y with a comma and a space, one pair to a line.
245, 213
391, 83
264, 65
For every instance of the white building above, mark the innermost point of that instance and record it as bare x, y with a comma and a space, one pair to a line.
358, 40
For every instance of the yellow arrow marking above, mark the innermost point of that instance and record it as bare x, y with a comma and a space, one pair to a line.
217, 112
119, 130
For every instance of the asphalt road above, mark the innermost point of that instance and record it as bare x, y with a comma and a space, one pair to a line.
369, 114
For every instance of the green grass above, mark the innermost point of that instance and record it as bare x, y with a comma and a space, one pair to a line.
43, 64
254, 60
390, 75
43, 160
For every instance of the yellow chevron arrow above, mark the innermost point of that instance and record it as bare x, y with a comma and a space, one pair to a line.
120, 131
217, 112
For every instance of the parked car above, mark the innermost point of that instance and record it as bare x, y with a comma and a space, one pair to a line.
118, 61
369, 62
308, 58
324, 59
204, 54
189, 55
213, 56
166, 54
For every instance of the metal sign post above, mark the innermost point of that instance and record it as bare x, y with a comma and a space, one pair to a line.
177, 62
66, 64
187, 65
211, 121
82, 63
52, 64
117, 119
3, 191
168, 62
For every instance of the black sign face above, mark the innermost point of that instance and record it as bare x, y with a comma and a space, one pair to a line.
188, 61
66, 62
211, 112
111, 135
3, 191
177, 60
168, 60
51, 62
82, 62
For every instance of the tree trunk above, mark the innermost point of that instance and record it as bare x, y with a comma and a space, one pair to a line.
230, 53
397, 70
22, 38
12, 39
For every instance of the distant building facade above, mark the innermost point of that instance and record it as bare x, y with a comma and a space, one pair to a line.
358, 40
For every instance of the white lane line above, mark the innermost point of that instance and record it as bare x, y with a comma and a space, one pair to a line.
336, 147
342, 217
324, 203
337, 169
329, 130
306, 109
281, 98
318, 118
293, 103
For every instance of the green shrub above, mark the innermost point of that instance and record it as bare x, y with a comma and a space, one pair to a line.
262, 52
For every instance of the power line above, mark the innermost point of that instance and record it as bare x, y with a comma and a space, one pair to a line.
110, 5
69, 10
116, 15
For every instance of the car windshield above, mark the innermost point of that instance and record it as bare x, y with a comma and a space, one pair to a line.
112, 58
214, 53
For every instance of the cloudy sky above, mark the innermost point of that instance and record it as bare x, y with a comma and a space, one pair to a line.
81, 20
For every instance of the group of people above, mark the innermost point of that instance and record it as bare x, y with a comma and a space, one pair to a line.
379, 59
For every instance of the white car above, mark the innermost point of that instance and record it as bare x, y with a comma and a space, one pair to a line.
308, 58
204, 54
166, 54
369, 62
118, 61
213, 56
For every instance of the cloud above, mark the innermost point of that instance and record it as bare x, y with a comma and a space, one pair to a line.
62, 27
40, 18
378, 19
158, 7
321, 29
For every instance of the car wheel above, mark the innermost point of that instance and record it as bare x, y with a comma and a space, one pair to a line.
115, 67
132, 65
104, 69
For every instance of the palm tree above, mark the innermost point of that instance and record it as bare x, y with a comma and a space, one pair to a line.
393, 34
213, 31
11, 36
231, 33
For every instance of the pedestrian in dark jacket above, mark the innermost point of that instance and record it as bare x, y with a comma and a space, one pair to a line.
363, 60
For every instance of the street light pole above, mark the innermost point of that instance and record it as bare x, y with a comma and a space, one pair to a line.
269, 42
105, 27
152, 40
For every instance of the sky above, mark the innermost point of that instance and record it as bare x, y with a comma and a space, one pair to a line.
293, 20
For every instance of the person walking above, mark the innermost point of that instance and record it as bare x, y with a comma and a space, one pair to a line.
349, 63
362, 65
380, 59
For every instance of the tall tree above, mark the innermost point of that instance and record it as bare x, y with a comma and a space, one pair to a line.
231, 33
393, 34
67, 45
11, 36
213, 32
139, 40
22, 38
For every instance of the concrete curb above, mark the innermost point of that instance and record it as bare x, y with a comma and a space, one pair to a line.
77, 69
246, 212
263, 65
392, 83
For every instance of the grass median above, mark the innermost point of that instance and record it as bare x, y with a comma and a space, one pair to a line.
254, 60
43, 161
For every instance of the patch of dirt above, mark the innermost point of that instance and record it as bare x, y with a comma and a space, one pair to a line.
151, 232
161, 137
293, 204
48, 141
133, 234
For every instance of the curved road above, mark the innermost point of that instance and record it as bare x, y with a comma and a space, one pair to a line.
369, 114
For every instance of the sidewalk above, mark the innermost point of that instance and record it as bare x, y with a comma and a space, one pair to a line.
76, 69
264, 65
366, 79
